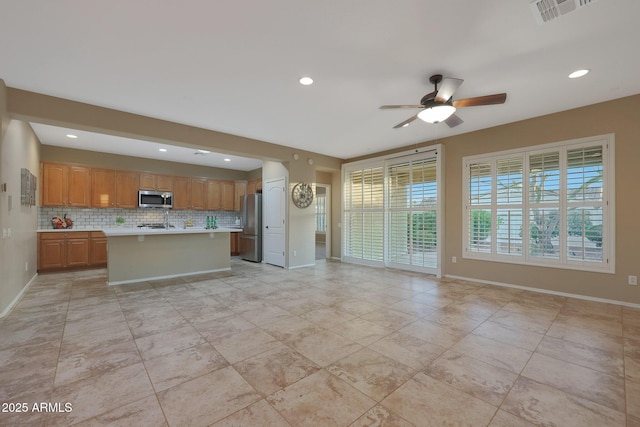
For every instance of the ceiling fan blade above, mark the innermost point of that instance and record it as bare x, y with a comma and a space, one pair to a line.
497, 98
406, 122
453, 121
385, 107
448, 87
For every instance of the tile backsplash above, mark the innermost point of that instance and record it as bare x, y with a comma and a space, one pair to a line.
106, 218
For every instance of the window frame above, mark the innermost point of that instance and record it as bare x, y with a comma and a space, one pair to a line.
607, 265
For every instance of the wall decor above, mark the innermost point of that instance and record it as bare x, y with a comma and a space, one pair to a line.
28, 186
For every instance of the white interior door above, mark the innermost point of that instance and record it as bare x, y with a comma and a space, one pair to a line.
274, 195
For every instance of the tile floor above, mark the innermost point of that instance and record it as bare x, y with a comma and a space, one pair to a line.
335, 345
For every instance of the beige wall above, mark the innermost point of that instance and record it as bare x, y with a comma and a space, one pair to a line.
621, 117
19, 148
302, 222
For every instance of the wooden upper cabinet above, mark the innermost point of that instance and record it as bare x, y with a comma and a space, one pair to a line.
214, 195
228, 195
55, 184
198, 194
65, 185
240, 191
103, 188
181, 196
79, 187
253, 185
152, 181
127, 185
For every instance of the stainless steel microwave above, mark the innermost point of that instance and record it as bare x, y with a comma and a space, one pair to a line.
155, 199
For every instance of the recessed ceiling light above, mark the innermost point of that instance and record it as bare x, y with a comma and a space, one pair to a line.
578, 73
306, 81
72, 136
227, 160
204, 151
164, 150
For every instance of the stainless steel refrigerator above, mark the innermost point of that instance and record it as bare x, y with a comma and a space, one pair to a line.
251, 237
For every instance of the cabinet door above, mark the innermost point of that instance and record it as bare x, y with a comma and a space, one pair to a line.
214, 195
154, 182
55, 183
127, 184
79, 189
103, 188
164, 183
240, 192
251, 186
77, 252
180, 192
52, 254
147, 181
98, 249
233, 243
228, 194
198, 194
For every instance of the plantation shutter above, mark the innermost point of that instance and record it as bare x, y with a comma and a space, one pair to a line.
412, 212
364, 215
480, 190
585, 204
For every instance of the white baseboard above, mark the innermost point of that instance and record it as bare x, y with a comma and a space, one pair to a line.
301, 266
544, 291
18, 297
170, 276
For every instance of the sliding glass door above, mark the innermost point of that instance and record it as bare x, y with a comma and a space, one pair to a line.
392, 212
412, 213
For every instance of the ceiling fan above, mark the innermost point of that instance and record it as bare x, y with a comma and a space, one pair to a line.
439, 106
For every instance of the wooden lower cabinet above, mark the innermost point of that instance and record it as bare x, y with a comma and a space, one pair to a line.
235, 243
71, 250
98, 249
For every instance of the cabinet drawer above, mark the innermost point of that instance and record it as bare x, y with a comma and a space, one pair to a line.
65, 235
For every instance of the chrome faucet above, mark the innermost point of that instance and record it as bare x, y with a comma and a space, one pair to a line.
166, 219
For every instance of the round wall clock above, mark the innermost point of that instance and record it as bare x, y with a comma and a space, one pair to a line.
302, 195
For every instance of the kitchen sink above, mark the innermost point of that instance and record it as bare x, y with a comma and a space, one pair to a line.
154, 226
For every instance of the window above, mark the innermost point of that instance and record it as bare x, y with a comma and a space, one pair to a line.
550, 205
321, 210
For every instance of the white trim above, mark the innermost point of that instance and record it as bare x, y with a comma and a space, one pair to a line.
170, 276
18, 297
607, 265
545, 291
301, 266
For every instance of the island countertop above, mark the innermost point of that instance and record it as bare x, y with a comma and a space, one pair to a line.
137, 231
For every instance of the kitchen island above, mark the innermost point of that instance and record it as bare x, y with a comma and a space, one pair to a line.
138, 254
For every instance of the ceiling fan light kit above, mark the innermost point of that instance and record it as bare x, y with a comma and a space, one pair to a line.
437, 113
439, 106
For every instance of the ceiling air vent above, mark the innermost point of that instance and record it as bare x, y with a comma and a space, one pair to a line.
548, 10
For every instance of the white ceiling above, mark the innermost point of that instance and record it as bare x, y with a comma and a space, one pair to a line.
234, 66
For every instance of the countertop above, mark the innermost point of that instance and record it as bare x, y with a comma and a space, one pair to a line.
136, 231
155, 231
